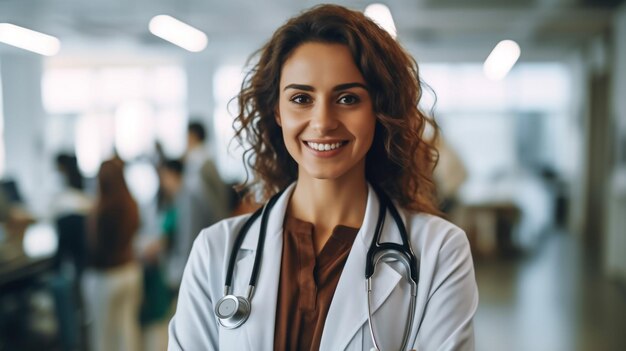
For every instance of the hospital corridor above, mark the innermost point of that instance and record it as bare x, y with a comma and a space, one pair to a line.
127, 128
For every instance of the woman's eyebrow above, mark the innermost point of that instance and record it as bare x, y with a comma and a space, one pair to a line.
350, 85
336, 88
299, 87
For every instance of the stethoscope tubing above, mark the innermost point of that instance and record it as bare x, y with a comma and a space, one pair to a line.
264, 213
236, 246
376, 246
404, 253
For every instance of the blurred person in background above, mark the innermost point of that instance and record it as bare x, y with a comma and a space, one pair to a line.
70, 208
157, 296
5, 206
13, 211
449, 176
203, 200
113, 285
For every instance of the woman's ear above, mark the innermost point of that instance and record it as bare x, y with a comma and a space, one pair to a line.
277, 116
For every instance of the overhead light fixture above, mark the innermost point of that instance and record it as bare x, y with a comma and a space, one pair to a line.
501, 59
178, 33
381, 14
28, 39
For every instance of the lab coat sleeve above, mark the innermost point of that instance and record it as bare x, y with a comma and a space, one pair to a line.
194, 327
453, 298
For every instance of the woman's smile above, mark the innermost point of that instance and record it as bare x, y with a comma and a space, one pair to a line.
325, 148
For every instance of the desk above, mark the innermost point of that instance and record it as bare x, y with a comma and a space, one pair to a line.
16, 267
22, 270
21, 278
489, 227
489, 214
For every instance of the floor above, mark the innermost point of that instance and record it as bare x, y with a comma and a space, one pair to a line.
551, 300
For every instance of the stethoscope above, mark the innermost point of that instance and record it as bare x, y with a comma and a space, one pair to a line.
232, 311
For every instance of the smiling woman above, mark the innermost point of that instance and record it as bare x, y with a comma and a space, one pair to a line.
336, 143
391, 78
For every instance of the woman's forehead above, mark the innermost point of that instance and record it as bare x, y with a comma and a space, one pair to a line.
320, 64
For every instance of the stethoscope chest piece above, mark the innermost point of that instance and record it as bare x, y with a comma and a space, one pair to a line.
232, 311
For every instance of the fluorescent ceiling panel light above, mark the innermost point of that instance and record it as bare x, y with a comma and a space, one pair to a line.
380, 14
30, 40
178, 33
501, 59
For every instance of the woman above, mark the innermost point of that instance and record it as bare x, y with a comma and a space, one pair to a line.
113, 286
330, 114
157, 295
69, 209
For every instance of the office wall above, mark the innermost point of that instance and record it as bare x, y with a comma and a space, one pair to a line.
615, 243
200, 70
24, 121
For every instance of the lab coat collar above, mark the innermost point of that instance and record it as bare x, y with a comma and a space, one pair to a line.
277, 218
348, 310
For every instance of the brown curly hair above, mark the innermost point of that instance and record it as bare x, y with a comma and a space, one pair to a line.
401, 159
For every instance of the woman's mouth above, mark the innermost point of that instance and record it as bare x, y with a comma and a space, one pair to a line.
324, 147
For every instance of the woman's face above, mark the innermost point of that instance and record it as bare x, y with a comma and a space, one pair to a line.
325, 112
170, 181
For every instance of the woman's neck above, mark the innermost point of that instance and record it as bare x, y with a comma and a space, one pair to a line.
328, 203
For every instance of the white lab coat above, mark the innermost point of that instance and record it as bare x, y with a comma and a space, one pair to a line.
446, 302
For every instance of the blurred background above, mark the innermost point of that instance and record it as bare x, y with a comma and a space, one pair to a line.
530, 96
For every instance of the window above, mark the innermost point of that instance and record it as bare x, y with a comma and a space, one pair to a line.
122, 108
226, 84
496, 126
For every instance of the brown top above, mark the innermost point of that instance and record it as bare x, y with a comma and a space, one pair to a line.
307, 283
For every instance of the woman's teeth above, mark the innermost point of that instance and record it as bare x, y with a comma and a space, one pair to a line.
323, 147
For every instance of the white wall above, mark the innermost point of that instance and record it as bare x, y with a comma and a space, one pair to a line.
25, 159
615, 243
200, 70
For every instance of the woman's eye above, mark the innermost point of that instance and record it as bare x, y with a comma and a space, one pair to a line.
348, 99
300, 99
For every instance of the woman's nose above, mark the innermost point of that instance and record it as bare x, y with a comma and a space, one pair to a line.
323, 118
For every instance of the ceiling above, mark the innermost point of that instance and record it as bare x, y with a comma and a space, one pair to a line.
434, 30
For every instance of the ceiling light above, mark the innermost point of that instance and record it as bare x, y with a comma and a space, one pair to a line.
501, 59
30, 40
380, 14
178, 33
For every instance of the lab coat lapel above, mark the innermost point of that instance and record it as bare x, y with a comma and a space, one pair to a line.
260, 325
348, 310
